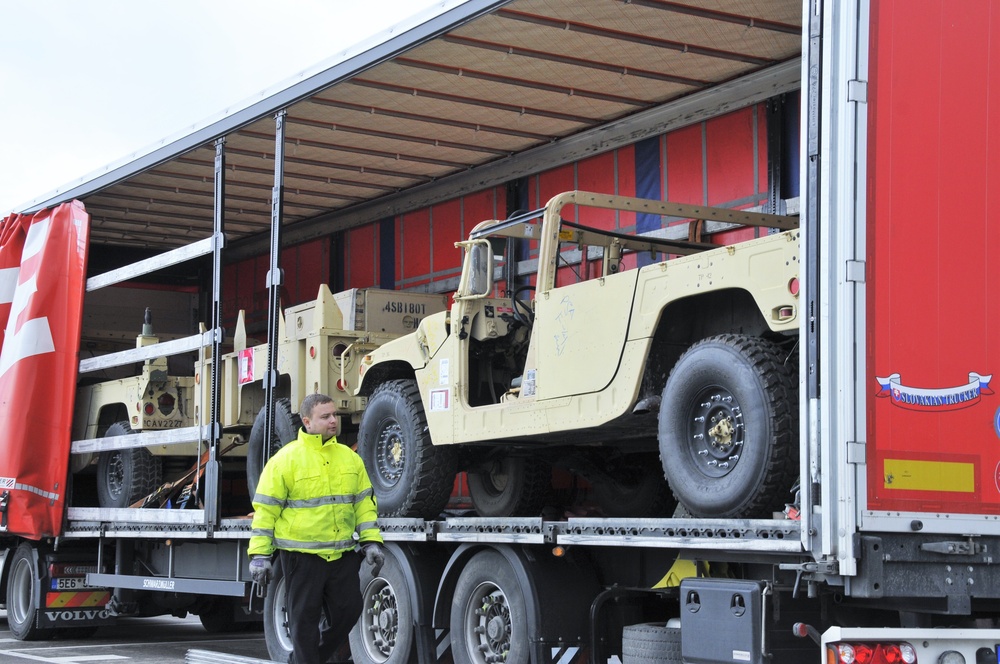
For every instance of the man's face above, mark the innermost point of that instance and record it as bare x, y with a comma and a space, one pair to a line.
324, 421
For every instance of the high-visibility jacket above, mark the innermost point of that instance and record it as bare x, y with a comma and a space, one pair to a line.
313, 497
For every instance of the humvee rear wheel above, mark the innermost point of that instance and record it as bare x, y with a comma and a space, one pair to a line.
510, 486
634, 486
126, 476
410, 476
727, 428
286, 429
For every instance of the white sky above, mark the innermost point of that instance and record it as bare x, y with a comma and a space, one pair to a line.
84, 83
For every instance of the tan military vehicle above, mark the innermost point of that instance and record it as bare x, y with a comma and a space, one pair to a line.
604, 359
147, 430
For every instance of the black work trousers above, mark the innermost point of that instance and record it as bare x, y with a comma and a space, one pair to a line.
314, 586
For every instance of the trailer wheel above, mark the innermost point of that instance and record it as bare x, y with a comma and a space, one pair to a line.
651, 643
488, 615
510, 486
634, 487
286, 429
23, 592
728, 427
220, 616
410, 476
385, 632
276, 636
126, 476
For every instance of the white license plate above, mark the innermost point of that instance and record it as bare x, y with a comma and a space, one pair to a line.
69, 583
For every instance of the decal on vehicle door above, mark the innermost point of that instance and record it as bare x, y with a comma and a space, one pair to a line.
245, 369
528, 384
443, 371
440, 400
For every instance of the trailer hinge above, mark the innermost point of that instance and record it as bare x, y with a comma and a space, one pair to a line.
813, 567
824, 567
4, 501
857, 91
856, 451
967, 548
856, 271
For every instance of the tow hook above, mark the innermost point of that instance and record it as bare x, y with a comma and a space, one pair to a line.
4, 501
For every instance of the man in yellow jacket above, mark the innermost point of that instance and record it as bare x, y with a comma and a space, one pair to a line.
315, 506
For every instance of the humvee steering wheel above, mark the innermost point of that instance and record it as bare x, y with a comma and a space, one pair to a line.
523, 313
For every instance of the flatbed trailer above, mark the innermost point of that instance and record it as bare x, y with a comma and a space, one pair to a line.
885, 550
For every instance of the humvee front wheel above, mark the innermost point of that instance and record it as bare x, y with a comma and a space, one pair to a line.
410, 476
125, 476
727, 428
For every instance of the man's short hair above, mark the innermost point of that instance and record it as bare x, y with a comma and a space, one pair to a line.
310, 402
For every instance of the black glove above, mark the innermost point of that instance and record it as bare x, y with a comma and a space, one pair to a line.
374, 557
260, 570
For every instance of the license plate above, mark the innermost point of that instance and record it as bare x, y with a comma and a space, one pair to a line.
69, 583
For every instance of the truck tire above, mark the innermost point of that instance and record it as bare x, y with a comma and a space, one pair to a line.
728, 428
286, 429
634, 487
651, 643
411, 477
276, 636
126, 476
488, 615
219, 616
385, 632
24, 588
510, 486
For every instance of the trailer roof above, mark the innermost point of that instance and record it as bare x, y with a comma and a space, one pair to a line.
481, 93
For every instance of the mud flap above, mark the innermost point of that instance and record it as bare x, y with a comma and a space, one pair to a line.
4, 501
722, 621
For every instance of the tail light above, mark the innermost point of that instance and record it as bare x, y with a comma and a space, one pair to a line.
870, 653
166, 403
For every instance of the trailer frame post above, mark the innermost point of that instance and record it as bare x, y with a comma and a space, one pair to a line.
213, 511
275, 279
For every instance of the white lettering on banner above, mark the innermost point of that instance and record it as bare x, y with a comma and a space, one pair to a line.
8, 283
38, 233
34, 337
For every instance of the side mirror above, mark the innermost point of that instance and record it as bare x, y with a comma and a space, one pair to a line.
477, 272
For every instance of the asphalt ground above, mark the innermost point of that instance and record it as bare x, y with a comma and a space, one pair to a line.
159, 640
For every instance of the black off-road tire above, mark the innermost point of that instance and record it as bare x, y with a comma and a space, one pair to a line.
286, 429
635, 487
126, 476
651, 643
728, 428
411, 477
510, 486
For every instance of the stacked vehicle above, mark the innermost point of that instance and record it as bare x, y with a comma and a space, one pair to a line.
779, 448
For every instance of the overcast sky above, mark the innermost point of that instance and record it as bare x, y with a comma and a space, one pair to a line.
84, 83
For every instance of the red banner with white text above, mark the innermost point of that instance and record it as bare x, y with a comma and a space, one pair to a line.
43, 261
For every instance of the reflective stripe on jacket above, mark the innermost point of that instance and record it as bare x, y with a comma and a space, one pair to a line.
313, 497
